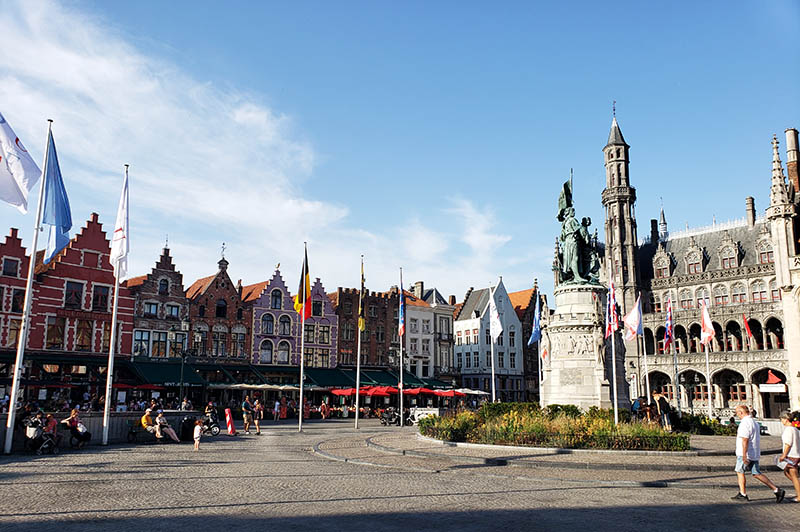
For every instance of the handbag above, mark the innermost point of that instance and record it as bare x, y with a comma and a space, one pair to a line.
81, 428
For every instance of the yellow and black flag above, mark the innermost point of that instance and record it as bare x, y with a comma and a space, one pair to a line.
302, 301
362, 319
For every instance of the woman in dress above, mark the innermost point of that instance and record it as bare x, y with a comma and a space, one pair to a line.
258, 415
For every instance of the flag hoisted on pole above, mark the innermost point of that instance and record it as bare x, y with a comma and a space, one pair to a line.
669, 341
50, 172
120, 246
362, 326
536, 334
302, 304
401, 332
56, 213
612, 324
750, 337
495, 330
706, 335
18, 171
634, 330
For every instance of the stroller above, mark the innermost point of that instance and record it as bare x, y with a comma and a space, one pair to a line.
37, 440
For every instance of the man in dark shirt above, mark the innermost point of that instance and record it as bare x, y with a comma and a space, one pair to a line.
247, 413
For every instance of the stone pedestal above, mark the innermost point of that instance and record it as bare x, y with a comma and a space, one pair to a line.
577, 369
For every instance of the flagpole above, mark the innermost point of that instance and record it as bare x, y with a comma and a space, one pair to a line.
23, 328
708, 382
302, 408
402, 364
112, 344
646, 371
491, 345
358, 348
675, 370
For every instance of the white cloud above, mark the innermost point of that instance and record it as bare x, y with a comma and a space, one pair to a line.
209, 163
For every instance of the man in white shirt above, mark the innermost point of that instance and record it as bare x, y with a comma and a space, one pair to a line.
748, 453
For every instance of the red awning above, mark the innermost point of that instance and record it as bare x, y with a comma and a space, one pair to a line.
449, 393
417, 391
772, 378
344, 391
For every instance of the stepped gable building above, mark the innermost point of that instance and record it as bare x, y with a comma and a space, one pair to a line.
220, 322
70, 330
473, 349
276, 325
747, 269
380, 345
161, 315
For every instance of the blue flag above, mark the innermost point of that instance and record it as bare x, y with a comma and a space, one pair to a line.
56, 204
401, 315
536, 334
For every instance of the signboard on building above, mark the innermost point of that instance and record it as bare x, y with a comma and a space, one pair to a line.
774, 388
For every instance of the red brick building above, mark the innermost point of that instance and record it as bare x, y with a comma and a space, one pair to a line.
220, 321
379, 345
70, 332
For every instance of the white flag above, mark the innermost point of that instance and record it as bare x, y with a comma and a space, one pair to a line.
18, 172
706, 326
119, 242
495, 325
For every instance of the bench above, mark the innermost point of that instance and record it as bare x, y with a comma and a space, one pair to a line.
137, 433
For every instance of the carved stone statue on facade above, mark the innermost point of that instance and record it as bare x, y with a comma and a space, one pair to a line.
578, 261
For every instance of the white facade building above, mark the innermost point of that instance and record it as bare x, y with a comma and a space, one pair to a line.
473, 345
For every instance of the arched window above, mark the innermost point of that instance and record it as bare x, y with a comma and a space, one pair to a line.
222, 308
774, 293
686, 299
265, 352
728, 258
276, 299
758, 290
163, 287
285, 326
720, 295
267, 324
701, 294
739, 293
283, 352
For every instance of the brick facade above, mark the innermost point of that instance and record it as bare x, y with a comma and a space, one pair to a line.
380, 344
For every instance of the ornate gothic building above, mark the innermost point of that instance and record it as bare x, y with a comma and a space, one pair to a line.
748, 273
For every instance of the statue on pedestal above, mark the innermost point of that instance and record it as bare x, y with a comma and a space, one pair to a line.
578, 260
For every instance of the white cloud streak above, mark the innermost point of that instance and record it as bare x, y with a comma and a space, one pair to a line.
208, 163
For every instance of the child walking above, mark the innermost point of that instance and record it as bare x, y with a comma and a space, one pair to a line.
198, 430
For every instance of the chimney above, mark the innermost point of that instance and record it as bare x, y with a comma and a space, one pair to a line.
750, 207
419, 288
653, 230
451, 300
791, 158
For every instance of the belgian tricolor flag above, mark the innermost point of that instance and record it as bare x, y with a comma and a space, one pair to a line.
362, 320
302, 301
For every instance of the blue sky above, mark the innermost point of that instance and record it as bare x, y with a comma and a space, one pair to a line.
432, 136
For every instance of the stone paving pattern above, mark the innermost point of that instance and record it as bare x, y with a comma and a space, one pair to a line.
277, 482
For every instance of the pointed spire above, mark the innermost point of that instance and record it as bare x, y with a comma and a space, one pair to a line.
778, 194
615, 137
662, 225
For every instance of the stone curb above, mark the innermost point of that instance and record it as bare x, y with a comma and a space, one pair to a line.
549, 464
616, 483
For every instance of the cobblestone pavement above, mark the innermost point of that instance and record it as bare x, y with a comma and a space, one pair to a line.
277, 482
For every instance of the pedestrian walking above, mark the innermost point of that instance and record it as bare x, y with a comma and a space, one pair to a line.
198, 432
247, 413
791, 453
276, 411
258, 415
748, 454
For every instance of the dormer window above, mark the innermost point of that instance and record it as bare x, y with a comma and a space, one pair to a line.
163, 287
277, 299
765, 254
728, 257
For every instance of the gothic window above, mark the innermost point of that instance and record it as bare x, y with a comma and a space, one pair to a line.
759, 292
655, 302
774, 293
267, 324
163, 287
686, 299
728, 258
701, 294
348, 331
720, 295
662, 268
265, 352
276, 299
694, 263
765, 254
739, 293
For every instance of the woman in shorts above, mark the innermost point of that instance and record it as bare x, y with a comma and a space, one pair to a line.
791, 453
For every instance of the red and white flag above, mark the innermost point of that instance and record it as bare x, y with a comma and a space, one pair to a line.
706, 327
612, 320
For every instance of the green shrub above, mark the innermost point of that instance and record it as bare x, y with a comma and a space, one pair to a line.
553, 411
493, 410
700, 424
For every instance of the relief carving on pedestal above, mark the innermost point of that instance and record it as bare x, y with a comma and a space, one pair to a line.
570, 377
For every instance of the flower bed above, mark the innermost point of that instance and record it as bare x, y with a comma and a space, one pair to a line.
561, 426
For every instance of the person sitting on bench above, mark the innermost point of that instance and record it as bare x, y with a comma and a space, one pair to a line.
149, 426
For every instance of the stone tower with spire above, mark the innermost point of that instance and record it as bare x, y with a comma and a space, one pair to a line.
619, 198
